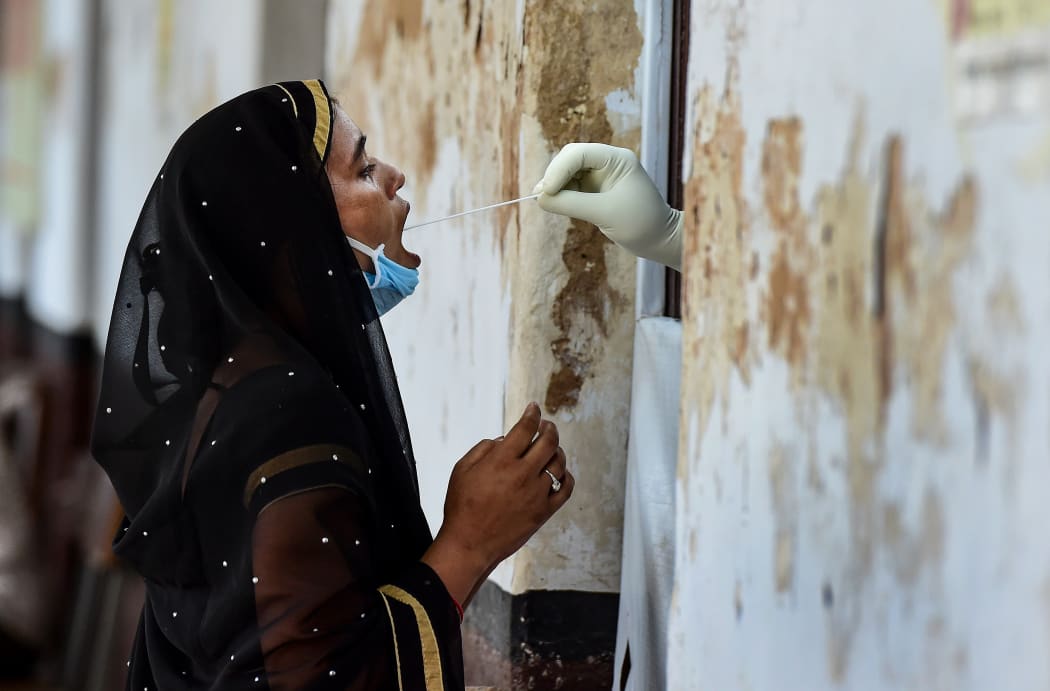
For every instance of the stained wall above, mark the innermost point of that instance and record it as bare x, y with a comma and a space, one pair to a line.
862, 478
472, 99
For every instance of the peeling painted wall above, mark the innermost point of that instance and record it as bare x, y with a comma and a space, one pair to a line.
471, 100
862, 479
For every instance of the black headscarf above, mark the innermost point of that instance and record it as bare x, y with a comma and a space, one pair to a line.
242, 334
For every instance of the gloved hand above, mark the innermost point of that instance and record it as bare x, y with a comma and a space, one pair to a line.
608, 187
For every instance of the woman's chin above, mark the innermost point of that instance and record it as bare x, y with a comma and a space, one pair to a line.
409, 260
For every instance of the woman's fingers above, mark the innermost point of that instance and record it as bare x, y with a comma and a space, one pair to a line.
558, 499
519, 436
556, 466
479, 451
543, 448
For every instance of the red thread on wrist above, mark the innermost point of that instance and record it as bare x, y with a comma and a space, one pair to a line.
459, 608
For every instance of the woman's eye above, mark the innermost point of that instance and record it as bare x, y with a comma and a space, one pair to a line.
368, 170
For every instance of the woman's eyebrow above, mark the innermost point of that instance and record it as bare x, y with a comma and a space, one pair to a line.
359, 149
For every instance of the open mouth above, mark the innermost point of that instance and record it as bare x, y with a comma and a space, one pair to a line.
414, 258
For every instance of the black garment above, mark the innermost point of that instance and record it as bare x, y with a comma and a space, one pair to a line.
251, 424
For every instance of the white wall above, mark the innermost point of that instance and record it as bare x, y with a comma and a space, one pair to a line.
825, 538
58, 269
450, 340
165, 64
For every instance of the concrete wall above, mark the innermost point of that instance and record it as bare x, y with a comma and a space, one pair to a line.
472, 100
863, 473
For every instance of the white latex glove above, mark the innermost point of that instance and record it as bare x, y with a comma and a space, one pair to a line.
607, 186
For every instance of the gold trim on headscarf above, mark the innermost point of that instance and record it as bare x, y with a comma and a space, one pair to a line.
295, 108
317, 453
427, 640
393, 631
323, 118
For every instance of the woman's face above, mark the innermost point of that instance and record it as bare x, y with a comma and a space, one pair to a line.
365, 190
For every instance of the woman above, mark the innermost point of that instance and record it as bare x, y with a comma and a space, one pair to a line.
251, 424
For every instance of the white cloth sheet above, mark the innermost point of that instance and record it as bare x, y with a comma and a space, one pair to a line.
649, 513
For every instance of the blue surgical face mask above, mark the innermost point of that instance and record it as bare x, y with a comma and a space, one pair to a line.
391, 283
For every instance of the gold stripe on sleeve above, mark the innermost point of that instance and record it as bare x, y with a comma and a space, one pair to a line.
295, 108
393, 633
317, 453
323, 118
427, 639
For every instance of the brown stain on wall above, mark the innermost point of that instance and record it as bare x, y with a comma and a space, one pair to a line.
885, 313
582, 61
415, 81
923, 251
590, 50
578, 313
847, 336
386, 22
994, 390
717, 257
1004, 307
857, 299
428, 139
511, 183
785, 516
913, 552
781, 168
786, 308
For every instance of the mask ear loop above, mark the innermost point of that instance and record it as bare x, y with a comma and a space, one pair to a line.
378, 264
373, 254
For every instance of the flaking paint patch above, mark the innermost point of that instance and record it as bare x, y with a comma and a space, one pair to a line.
883, 302
1004, 307
511, 186
417, 43
994, 393
579, 314
785, 517
914, 551
382, 22
994, 389
924, 249
847, 337
857, 297
787, 309
582, 62
717, 259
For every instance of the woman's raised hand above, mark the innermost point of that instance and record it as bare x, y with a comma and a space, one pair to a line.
499, 495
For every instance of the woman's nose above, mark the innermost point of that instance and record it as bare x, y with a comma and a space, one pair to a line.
396, 181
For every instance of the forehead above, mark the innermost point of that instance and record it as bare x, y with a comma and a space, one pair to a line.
345, 136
